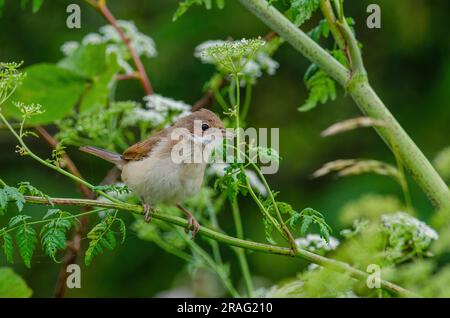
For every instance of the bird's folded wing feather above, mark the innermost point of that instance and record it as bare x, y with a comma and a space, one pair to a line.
143, 148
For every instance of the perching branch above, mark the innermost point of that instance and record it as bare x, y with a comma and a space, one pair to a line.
207, 232
364, 96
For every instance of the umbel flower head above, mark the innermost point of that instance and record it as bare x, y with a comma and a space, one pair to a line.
143, 44
406, 235
237, 57
158, 110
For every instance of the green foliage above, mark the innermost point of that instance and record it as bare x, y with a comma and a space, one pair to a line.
56, 89
233, 181
232, 57
321, 87
91, 61
102, 236
26, 241
306, 218
185, 5
11, 194
106, 129
8, 245
10, 79
53, 233
12, 285
301, 11
407, 237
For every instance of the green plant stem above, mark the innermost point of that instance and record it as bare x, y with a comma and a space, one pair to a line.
242, 258
11, 229
364, 96
288, 233
262, 208
329, 15
248, 100
51, 166
215, 225
233, 241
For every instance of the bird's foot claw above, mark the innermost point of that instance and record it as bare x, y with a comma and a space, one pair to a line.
192, 225
148, 211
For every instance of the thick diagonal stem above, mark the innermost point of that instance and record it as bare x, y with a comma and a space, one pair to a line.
364, 96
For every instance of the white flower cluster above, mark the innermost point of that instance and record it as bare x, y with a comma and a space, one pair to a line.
218, 169
143, 44
254, 60
419, 230
158, 109
313, 242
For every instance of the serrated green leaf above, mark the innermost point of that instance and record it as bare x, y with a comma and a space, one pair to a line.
307, 220
51, 212
53, 234
8, 246
26, 241
3, 200
302, 10
17, 219
122, 230
321, 89
268, 231
101, 236
14, 195
185, 5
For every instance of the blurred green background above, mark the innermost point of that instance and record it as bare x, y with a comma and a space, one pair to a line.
408, 64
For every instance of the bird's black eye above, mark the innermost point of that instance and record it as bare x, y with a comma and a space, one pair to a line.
205, 127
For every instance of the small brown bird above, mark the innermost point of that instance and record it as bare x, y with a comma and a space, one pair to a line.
167, 168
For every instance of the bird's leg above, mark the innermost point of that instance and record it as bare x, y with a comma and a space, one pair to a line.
192, 222
148, 210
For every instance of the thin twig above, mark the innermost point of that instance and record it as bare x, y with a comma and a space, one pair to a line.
106, 13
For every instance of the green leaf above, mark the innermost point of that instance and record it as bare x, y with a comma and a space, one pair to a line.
268, 231
17, 219
3, 201
101, 236
307, 221
53, 233
122, 230
14, 195
302, 10
185, 5
12, 285
8, 246
56, 89
86, 61
321, 89
97, 96
26, 241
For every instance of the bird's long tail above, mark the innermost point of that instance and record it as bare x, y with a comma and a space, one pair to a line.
112, 157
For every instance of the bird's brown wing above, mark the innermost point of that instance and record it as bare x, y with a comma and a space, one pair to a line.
143, 148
